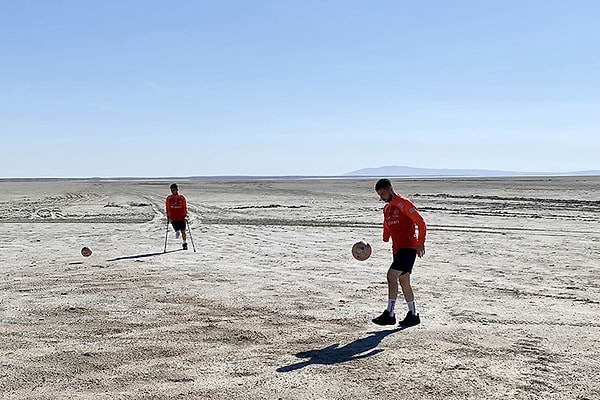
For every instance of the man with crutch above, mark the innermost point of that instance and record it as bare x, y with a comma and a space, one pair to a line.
176, 205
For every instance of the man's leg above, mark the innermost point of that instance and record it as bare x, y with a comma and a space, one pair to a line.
184, 234
412, 318
392, 281
388, 317
406, 287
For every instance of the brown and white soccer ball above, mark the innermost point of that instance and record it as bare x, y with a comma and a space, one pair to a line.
86, 251
361, 250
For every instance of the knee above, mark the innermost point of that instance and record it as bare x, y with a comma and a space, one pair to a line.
392, 277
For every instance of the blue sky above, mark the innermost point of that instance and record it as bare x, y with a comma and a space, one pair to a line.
296, 87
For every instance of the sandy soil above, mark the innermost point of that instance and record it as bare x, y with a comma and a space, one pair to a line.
271, 305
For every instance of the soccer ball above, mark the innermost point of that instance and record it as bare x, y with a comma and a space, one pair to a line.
86, 251
361, 250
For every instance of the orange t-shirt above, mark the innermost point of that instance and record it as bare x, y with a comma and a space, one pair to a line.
400, 217
176, 207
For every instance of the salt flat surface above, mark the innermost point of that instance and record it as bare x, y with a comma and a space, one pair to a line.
272, 305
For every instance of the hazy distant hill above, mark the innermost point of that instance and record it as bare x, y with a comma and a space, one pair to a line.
398, 170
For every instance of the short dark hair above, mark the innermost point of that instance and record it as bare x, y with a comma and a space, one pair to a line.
174, 186
383, 183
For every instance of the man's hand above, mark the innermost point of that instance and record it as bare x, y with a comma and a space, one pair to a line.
420, 250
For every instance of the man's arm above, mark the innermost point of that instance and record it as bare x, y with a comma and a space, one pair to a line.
386, 232
411, 211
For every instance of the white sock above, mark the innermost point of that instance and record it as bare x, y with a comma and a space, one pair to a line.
412, 307
391, 305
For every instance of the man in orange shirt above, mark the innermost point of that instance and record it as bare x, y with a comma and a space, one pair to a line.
400, 219
177, 213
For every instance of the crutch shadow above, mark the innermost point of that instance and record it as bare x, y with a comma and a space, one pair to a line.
143, 255
361, 348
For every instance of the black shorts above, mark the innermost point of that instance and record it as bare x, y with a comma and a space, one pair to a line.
179, 225
404, 260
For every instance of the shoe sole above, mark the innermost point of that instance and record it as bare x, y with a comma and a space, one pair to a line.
383, 323
408, 325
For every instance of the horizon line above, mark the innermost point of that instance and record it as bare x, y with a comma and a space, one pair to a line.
498, 174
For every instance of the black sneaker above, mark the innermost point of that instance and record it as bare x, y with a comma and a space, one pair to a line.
185, 246
385, 319
410, 320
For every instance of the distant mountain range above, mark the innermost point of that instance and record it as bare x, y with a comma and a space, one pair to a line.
399, 170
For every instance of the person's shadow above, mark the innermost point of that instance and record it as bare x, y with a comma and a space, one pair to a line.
360, 348
143, 255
